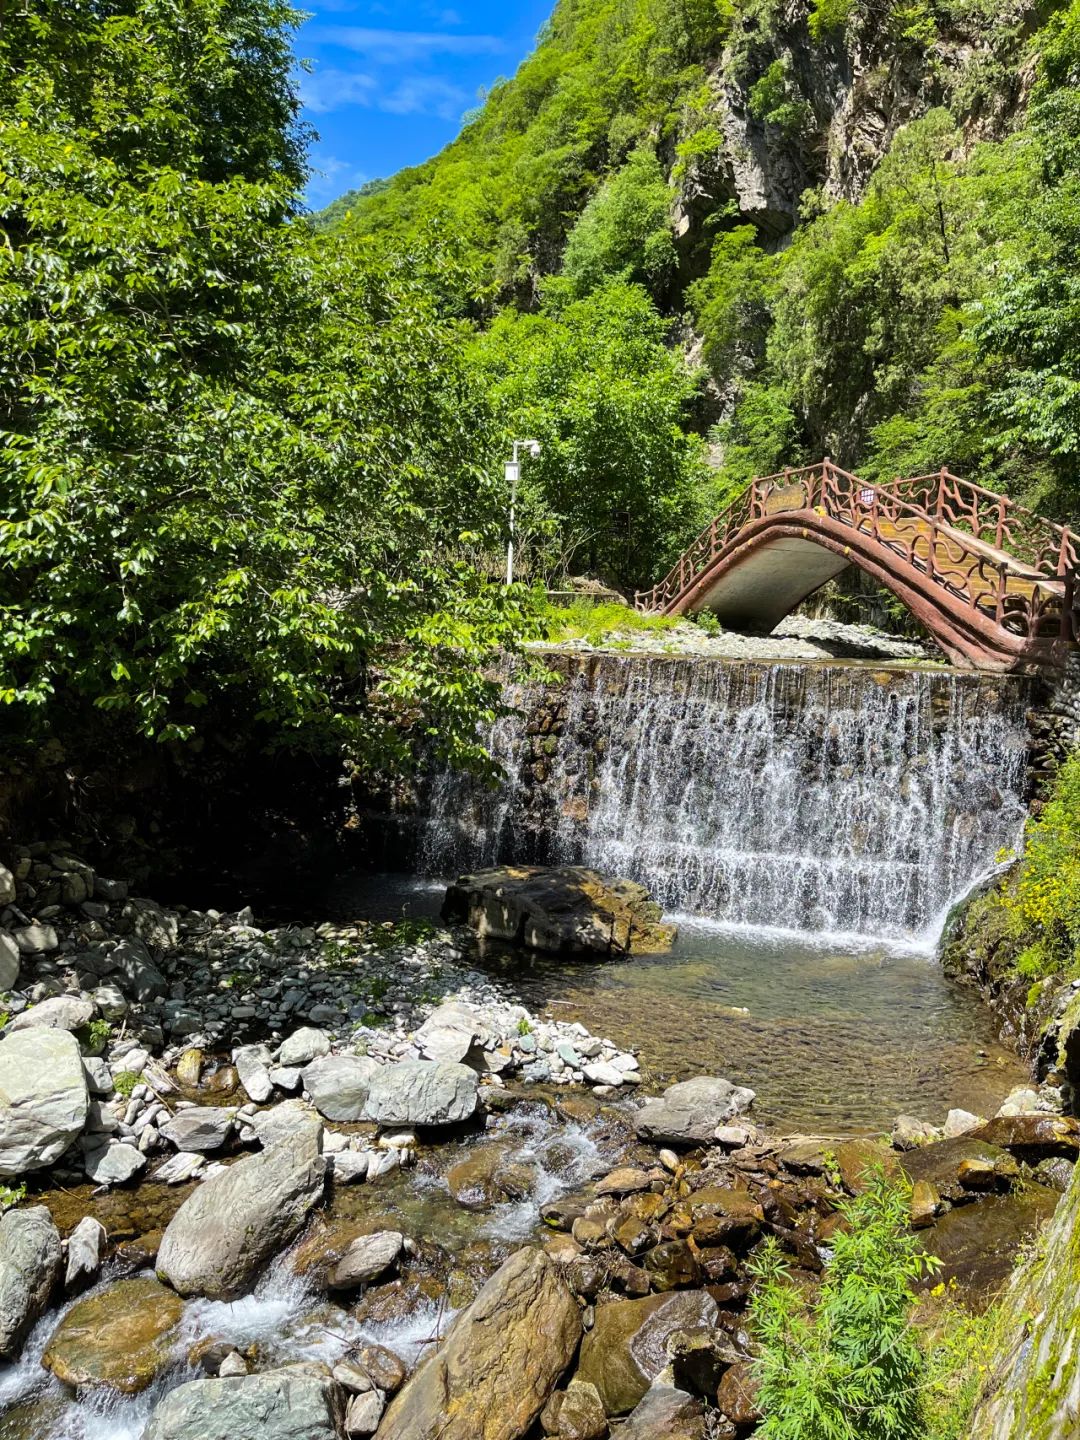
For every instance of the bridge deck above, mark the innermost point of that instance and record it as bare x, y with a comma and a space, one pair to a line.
993, 582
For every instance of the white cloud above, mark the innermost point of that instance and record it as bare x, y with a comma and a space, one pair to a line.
327, 90
400, 47
333, 177
424, 95
324, 91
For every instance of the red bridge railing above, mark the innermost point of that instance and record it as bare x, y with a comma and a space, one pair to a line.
994, 555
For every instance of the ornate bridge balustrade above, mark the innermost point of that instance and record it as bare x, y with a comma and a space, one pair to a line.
994, 583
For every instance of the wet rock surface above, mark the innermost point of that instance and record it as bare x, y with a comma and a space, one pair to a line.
117, 1338
499, 1363
281, 1406
564, 910
30, 1262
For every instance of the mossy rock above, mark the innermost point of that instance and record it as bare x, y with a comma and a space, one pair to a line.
118, 1338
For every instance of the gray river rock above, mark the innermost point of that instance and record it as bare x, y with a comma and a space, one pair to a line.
30, 1262
224, 1233
691, 1112
282, 1405
422, 1092
43, 1098
339, 1085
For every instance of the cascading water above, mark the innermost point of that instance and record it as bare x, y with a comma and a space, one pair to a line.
827, 799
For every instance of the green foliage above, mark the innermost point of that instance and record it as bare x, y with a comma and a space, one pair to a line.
775, 98
95, 1036
341, 209
759, 439
624, 231
1044, 900
598, 623
731, 303
605, 75
618, 483
10, 1196
243, 465
960, 1348
124, 1082
847, 1365
829, 15
1031, 318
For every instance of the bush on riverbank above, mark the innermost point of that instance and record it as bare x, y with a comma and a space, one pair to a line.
865, 1358
1043, 903
582, 620
848, 1366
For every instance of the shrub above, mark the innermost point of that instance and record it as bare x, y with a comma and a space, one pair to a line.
847, 1364
1044, 902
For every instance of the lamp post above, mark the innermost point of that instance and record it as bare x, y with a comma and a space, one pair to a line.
512, 472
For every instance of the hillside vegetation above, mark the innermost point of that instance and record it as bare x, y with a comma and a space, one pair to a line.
852, 223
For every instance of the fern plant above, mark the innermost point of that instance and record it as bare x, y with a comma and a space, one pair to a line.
846, 1364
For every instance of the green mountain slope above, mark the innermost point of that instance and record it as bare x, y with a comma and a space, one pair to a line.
855, 216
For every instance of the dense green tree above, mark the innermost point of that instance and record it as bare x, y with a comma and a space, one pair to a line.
624, 231
241, 465
619, 483
1030, 325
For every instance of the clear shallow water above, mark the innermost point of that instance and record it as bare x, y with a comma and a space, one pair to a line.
835, 1034
288, 1317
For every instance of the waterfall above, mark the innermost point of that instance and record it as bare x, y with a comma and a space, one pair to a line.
827, 799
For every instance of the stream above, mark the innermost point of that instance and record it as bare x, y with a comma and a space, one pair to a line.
808, 826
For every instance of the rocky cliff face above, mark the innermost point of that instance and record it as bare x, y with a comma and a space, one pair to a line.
836, 101
1033, 1390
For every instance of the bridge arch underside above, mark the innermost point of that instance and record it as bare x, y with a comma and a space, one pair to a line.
776, 564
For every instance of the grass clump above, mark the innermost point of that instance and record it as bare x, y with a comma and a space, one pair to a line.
583, 620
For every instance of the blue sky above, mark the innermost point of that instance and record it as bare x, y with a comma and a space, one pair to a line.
393, 78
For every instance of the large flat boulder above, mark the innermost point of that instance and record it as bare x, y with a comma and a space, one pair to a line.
117, 1339
422, 1092
59, 1012
30, 1261
691, 1112
338, 1085
500, 1362
43, 1098
224, 1233
628, 1345
565, 910
280, 1405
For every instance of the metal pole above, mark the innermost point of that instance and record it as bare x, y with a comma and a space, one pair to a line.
513, 503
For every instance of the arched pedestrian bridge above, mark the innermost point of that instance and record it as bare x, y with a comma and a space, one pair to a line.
994, 583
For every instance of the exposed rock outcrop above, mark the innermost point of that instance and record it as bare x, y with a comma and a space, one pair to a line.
565, 910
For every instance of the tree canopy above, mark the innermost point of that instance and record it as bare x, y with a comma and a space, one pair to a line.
244, 466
